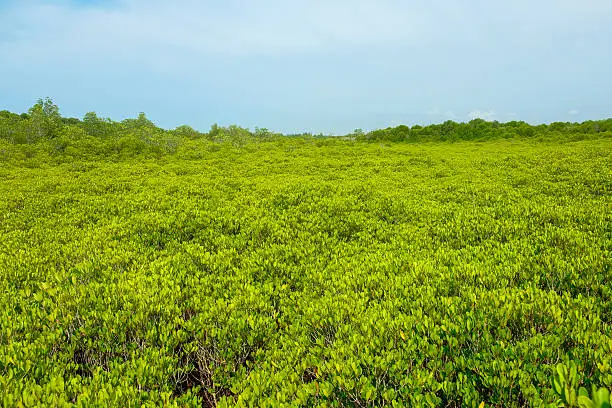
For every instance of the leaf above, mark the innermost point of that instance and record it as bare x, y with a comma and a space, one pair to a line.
326, 388
561, 369
558, 386
602, 398
585, 402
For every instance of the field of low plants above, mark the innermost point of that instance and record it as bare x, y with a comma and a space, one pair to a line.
308, 272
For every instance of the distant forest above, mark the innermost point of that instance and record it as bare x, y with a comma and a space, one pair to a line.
43, 125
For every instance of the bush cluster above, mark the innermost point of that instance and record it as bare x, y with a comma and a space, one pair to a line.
305, 272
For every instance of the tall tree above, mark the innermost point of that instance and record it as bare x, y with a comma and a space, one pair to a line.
45, 120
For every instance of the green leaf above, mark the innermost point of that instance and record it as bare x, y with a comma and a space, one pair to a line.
561, 370
602, 398
558, 386
585, 402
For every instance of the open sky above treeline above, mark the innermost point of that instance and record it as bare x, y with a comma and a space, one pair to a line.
316, 66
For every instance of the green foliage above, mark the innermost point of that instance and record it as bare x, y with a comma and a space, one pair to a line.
565, 383
479, 129
185, 131
304, 274
233, 134
97, 127
44, 120
140, 136
163, 268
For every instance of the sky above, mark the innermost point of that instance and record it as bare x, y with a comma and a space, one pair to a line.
320, 66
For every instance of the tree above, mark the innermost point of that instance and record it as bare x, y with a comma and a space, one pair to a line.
187, 132
11, 127
214, 131
358, 134
141, 123
44, 120
263, 134
96, 126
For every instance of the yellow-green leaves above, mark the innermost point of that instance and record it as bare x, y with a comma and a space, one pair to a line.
565, 383
308, 273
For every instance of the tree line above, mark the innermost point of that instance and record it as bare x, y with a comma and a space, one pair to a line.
44, 123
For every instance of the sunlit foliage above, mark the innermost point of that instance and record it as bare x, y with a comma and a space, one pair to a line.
142, 266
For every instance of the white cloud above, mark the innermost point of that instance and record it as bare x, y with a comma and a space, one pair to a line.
187, 32
572, 112
303, 58
486, 115
449, 114
265, 27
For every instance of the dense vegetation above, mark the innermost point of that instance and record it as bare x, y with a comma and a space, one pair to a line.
93, 136
141, 266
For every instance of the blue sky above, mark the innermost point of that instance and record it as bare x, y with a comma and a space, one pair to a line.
326, 66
